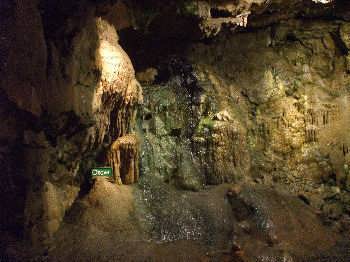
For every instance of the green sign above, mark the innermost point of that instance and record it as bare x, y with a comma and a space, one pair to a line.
102, 171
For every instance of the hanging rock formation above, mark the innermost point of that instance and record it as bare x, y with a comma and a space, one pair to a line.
252, 92
123, 158
83, 95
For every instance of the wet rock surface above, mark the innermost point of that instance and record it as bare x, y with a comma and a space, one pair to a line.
187, 139
222, 223
283, 227
247, 91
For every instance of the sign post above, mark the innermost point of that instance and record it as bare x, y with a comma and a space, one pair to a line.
102, 172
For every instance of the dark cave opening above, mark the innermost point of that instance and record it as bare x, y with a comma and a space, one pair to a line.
219, 13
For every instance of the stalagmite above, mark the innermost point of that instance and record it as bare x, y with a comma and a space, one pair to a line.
123, 157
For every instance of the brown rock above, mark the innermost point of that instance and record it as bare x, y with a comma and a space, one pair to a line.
123, 157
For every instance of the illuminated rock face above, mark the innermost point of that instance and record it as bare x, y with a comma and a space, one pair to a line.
267, 103
73, 91
123, 158
269, 106
293, 82
117, 92
98, 106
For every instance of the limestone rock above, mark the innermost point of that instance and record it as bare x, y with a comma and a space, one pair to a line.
345, 34
123, 156
148, 76
223, 116
333, 210
274, 216
269, 103
24, 87
93, 98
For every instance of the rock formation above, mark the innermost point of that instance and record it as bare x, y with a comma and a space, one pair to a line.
268, 215
123, 158
83, 94
252, 92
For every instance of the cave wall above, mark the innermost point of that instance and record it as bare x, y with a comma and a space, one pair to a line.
251, 98
292, 86
77, 92
269, 105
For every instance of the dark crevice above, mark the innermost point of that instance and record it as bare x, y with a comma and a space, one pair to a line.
341, 46
219, 13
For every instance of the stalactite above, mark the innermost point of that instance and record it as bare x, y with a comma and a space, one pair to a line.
123, 157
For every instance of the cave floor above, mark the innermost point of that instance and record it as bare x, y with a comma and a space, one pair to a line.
107, 225
159, 223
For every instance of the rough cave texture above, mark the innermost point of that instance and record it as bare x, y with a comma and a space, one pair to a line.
268, 105
268, 216
288, 88
229, 141
78, 87
123, 158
